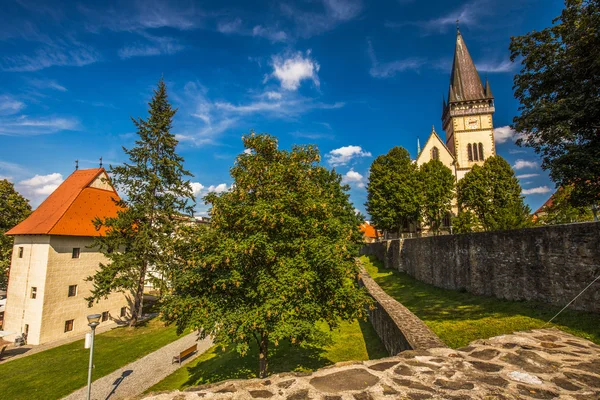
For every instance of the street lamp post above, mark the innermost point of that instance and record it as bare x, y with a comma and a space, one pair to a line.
93, 322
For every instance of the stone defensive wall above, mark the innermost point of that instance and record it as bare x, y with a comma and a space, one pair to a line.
550, 264
397, 327
538, 364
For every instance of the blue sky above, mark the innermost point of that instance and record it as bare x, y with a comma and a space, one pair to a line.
354, 77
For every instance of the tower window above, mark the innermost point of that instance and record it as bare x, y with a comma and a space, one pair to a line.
123, 312
104, 316
435, 153
69, 325
470, 151
76, 252
33, 292
72, 290
481, 151
20, 252
475, 154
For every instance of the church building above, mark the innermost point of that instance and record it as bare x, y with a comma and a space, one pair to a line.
466, 119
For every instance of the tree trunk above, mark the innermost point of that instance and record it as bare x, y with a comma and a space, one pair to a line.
136, 310
262, 357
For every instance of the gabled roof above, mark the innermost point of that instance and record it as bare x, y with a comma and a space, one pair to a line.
465, 83
70, 209
368, 230
547, 204
435, 136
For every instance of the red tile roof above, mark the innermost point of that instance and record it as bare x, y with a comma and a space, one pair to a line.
70, 209
368, 230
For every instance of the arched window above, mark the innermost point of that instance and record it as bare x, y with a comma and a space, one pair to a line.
475, 155
470, 151
481, 152
435, 153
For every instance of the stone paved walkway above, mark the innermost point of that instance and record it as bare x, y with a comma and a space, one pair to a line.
539, 364
134, 378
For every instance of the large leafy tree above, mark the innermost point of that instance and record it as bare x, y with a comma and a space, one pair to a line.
278, 257
394, 194
14, 208
562, 211
438, 192
559, 90
493, 194
155, 198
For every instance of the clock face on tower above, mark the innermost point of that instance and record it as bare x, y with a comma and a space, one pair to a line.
472, 123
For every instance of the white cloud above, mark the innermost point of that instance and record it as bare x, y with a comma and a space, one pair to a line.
40, 185
273, 95
9, 105
537, 190
272, 34
390, 69
292, 70
72, 54
197, 188
47, 84
220, 188
155, 46
247, 151
526, 176
504, 134
523, 164
503, 66
230, 26
353, 178
344, 155
334, 12
27, 126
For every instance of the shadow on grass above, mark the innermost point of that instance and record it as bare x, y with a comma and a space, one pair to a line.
375, 348
458, 317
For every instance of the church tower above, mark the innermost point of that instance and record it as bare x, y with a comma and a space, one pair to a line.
467, 115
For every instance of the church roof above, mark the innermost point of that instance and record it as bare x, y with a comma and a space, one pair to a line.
432, 136
70, 209
465, 83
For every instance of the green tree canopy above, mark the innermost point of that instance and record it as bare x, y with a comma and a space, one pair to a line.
492, 192
14, 208
394, 194
278, 257
559, 91
155, 195
438, 191
562, 211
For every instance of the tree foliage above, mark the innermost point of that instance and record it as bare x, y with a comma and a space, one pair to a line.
14, 208
278, 257
562, 211
492, 192
394, 194
155, 195
438, 191
559, 91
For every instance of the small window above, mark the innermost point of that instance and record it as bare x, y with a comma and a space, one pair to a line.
481, 151
72, 290
20, 252
435, 153
69, 325
123, 312
76, 252
475, 155
105, 316
470, 151
33, 292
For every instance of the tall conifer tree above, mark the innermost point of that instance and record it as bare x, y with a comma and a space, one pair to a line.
155, 200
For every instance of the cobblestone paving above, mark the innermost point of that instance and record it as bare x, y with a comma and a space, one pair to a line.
538, 364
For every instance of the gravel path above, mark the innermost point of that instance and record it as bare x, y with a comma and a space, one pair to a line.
133, 379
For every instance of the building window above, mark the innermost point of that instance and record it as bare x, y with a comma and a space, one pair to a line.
72, 290
475, 155
481, 152
76, 252
69, 325
435, 153
33, 292
20, 252
470, 151
104, 316
123, 312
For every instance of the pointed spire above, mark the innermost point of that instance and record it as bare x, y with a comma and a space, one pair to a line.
464, 78
418, 146
432, 128
488, 89
443, 102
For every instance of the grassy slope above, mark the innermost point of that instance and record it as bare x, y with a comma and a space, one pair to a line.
56, 372
353, 341
459, 317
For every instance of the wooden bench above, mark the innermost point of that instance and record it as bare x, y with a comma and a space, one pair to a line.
184, 354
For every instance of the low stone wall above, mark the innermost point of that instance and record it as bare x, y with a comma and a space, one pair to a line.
550, 264
539, 364
397, 327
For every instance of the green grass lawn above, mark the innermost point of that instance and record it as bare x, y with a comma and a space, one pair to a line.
353, 341
459, 317
56, 372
